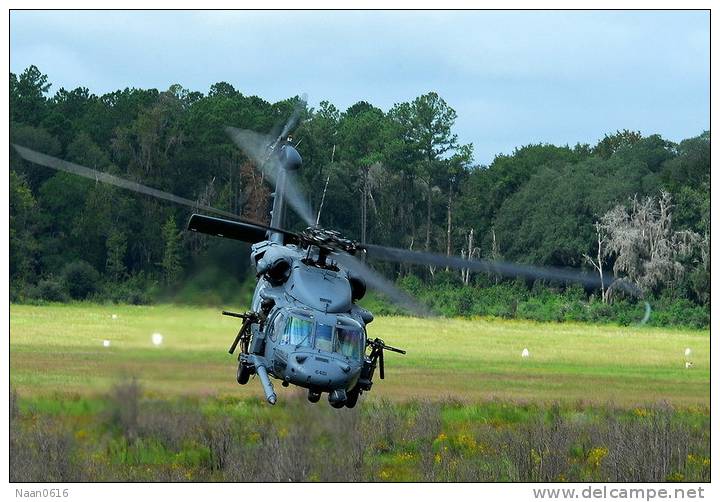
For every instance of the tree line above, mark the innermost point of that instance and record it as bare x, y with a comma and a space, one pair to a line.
633, 205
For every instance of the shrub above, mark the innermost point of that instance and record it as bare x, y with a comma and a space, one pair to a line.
81, 279
124, 408
51, 290
135, 291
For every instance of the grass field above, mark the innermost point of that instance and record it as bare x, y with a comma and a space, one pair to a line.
59, 348
589, 404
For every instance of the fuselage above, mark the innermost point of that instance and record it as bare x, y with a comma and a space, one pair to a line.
314, 335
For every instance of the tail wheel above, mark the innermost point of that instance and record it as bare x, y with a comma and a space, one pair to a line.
243, 374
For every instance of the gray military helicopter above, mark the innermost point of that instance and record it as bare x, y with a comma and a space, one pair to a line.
304, 326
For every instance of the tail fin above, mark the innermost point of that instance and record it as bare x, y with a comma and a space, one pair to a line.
289, 161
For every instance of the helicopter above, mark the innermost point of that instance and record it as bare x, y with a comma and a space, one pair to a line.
305, 326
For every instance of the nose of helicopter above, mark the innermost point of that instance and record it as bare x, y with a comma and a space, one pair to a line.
321, 370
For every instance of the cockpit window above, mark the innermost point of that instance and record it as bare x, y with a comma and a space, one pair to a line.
324, 337
297, 332
349, 341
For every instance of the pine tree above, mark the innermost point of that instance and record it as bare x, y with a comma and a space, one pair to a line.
171, 257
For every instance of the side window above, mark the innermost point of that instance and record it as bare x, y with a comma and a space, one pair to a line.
277, 326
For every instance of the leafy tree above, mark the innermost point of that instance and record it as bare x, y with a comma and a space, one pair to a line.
456, 172
81, 279
398, 178
426, 124
486, 189
612, 143
222, 89
66, 115
116, 248
364, 132
23, 245
38, 139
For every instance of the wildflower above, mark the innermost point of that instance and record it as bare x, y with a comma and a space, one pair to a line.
596, 455
698, 460
640, 412
675, 476
535, 456
467, 442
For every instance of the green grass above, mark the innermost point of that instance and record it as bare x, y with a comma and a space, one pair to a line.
58, 349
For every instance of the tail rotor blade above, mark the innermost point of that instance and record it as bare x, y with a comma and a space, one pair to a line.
382, 365
256, 147
294, 118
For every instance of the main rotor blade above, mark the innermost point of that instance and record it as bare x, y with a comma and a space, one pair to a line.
239, 230
93, 174
505, 269
383, 285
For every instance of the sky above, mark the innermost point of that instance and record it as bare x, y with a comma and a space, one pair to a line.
514, 78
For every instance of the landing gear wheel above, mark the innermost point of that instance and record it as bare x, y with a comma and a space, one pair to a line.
352, 397
338, 404
243, 374
313, 397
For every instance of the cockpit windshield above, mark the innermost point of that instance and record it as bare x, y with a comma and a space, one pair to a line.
298, 332
324, 337
349, 341
343, 336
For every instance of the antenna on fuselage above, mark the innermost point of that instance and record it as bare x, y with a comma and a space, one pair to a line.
322, 201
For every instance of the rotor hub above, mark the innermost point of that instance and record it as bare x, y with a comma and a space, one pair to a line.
328, 240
